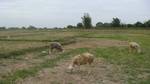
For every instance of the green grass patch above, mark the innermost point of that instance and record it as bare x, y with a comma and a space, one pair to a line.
131, 63
17, 53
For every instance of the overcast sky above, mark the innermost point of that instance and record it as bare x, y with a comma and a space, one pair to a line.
52, 13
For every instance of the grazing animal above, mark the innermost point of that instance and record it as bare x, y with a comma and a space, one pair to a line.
133, 46
57, 46
81, 59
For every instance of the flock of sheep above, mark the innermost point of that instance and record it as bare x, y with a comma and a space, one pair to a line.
88, 58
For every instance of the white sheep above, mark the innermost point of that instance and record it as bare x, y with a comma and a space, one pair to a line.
133, 46
81, 59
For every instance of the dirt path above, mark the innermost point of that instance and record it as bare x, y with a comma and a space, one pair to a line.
100, 72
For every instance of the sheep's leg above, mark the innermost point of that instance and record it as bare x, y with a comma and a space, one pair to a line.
90, 66
135, 50
49, 51
79, 68
139, 50
89, 72
130, 49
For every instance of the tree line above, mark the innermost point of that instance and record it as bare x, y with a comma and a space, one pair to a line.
30, 27
116, 22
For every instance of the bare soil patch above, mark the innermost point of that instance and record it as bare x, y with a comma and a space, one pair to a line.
100, 72
11, 65
94, 43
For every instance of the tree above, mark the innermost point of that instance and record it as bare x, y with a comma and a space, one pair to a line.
87, 21
123, 25
2, 28
23, 27
79, 25
70, 26
116, 22
45, 28
138, 24
130, 25
107, 24
147, 23
99, 24
31, 27
13, 28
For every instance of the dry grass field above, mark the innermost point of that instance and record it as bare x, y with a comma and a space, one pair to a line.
22, 60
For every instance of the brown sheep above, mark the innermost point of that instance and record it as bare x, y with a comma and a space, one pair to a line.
133, 46
81, 59
57, 46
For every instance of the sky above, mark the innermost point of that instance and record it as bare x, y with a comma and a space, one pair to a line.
60, 13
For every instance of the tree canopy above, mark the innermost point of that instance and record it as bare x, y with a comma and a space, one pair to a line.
87, 21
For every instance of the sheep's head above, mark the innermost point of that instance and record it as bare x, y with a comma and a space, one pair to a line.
70, 67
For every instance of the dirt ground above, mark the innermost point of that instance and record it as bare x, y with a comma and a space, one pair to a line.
11, 65
100, 72
94, 43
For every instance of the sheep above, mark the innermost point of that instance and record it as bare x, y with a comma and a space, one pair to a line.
57, 46
133, 46
81, 59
